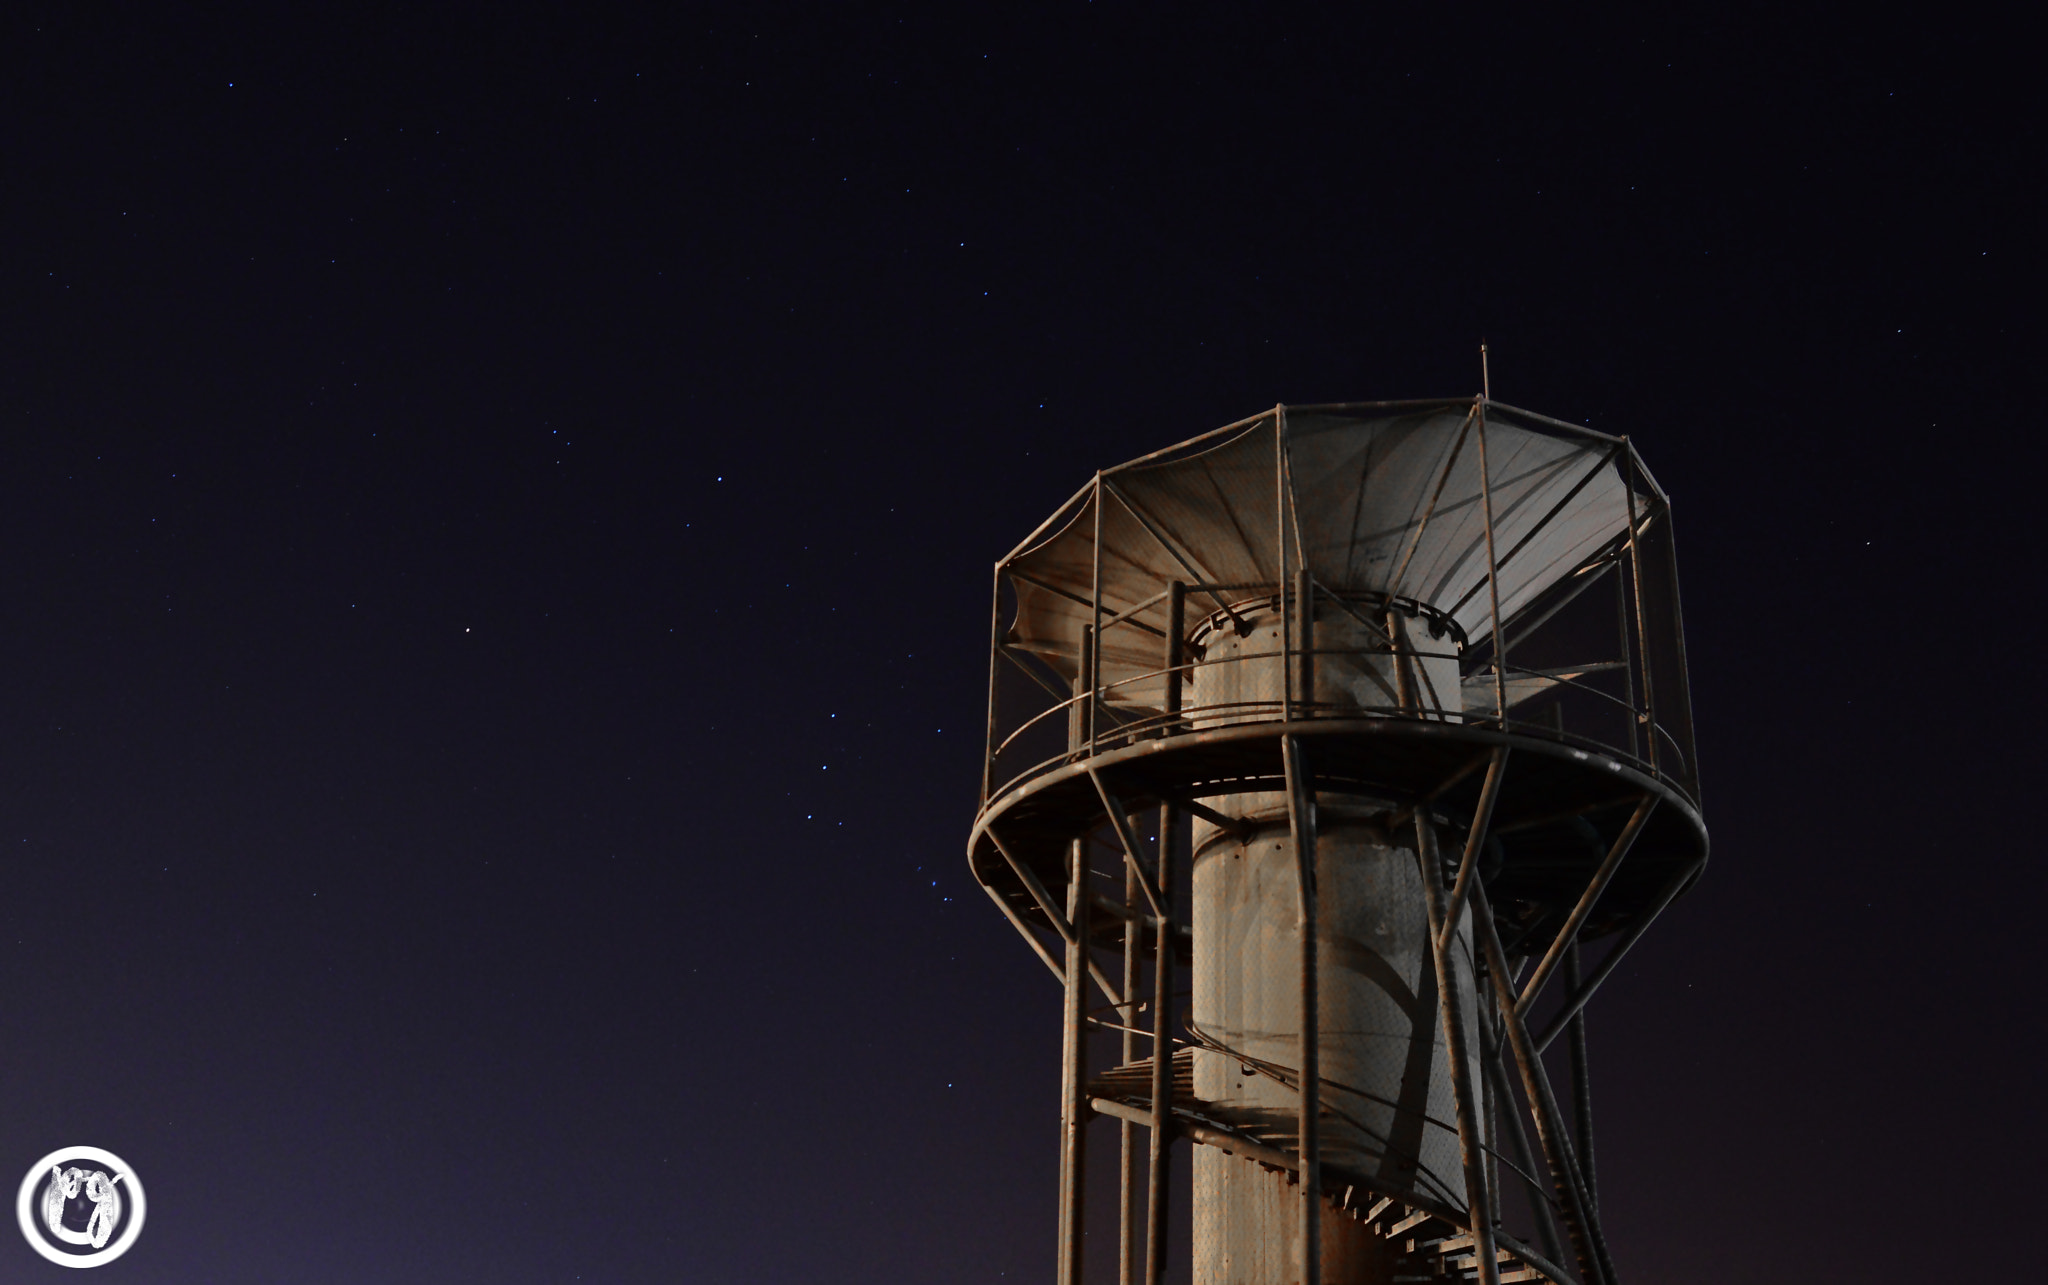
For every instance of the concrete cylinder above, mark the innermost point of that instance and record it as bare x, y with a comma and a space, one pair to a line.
1390, 1117
1237, 672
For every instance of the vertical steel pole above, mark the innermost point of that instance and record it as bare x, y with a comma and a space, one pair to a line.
1582, 1085
1628, 666
1280, 562
1176, 651
1127, 1168
1301, 818
1635, 570
1450, 1008
1588, 1247
1683, 685
1518, 1147
1397, 646
1092, 669
1162, 1087
1305, 632
1489, 1108
995, 645
1081, 714
1475, 838
1157, 1177
1581, 910
1074, 1109
1500, 659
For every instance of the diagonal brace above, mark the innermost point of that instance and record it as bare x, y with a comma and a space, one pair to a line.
1577, 918
1121, 820
1581, 1224
1475, 839
1052, 911
1643, 920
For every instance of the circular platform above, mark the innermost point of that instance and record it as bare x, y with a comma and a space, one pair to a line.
1559, 808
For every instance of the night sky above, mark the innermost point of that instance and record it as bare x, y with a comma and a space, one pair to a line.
496, 510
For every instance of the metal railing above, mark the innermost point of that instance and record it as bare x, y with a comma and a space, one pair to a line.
1107, 715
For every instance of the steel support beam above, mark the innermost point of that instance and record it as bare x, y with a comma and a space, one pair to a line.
1051, 910
1635, 570
1577, 919
1449, 783
1074, 1108
1471, 1147
1588, 1247
1644, 918
1158, 1187
1157, 1174
1120, 821
1500, 650
1208, 1135
1475, 839
1518, 1149
1024, 930
1305, 633
995, 649
1127, 1260
1231, 826
1582, 1088
1301, 819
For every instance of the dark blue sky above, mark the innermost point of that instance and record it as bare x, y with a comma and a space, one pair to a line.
495, 519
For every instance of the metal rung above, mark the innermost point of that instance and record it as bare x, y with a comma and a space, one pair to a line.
1415, 1219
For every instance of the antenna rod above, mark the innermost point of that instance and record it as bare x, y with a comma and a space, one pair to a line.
1485, 376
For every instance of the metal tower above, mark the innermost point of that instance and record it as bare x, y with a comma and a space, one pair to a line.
1350, 725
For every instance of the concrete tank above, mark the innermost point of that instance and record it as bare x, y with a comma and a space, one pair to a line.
1389, 1113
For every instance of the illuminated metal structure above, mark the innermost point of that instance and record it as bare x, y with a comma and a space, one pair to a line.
1376, 714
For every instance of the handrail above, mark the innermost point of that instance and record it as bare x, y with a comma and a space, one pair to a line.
1149, 724
1326, 711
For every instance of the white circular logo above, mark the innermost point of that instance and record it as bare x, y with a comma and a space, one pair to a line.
81, 1207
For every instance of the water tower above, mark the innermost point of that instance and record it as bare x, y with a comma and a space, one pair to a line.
1319, 748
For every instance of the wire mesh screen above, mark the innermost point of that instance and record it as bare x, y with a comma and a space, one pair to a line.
1458, 563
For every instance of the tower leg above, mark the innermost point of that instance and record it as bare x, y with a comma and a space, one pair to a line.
1302, 817
1470, 1144
1126, 1133
1595, 1268
1582, 1084
1162, 1069
1074, 1107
